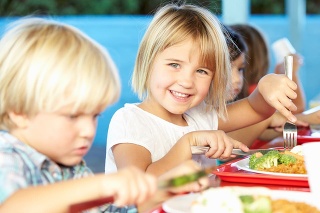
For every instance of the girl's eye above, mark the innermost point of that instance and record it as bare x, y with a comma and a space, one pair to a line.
175, 65
202, 72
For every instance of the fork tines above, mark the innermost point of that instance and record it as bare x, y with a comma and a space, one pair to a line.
289, 135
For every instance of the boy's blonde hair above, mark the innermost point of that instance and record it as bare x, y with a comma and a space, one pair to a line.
45, 65
173, 24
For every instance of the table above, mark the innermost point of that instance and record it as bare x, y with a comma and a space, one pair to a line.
158, 207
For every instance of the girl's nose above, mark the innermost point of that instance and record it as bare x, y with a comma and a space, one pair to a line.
186, 79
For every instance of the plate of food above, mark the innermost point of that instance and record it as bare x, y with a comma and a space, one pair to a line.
238, 171
244, 165
276, 162
242, 199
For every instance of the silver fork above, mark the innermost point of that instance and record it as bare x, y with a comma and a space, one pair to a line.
289, 129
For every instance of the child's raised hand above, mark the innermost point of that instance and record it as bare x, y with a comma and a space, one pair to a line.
129, 186
220, 143
278, 91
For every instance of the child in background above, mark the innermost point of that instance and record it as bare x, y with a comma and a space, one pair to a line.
257, 67
182, 76
238, 52
54, 83
258, 63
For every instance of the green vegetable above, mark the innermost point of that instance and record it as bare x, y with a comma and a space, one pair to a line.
246, 199
182, 180
287, 159
256, 204
264, 162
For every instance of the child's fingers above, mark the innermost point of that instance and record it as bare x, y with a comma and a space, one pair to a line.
195, 186
139, 187
225, 146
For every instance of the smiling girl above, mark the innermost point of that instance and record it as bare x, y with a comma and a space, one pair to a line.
182, 75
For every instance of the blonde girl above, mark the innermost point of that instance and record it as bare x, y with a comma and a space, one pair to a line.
182, 75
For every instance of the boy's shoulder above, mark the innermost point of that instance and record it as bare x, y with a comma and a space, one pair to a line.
15, 151
7, 141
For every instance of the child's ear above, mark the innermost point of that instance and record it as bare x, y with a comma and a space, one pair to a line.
20, 120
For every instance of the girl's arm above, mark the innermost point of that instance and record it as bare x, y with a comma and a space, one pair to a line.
128, 186
251, 133
221, 146
274, 92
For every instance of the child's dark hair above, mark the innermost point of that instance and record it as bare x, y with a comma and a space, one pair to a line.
235, 43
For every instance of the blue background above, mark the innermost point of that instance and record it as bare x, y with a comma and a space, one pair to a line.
121, 36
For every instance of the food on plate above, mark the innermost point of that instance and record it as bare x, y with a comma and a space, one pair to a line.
245, 200
277, 161
297, 150
218, 199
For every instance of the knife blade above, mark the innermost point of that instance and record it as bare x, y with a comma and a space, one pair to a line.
204, 149
185, 179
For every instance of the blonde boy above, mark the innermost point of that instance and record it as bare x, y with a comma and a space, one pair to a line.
54, 83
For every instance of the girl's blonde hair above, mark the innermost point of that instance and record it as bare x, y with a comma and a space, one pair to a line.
173, 24
258, 60
45, 65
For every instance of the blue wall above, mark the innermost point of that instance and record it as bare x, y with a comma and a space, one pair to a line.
121, 36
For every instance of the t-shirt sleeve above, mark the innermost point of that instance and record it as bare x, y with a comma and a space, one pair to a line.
128, 127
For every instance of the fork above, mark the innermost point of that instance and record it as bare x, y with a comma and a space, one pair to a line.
289, 129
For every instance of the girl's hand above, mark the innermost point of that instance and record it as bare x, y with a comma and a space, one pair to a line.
278, 91
220, 143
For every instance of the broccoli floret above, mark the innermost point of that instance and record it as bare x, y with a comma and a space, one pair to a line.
287, 159
256, 204
266, 161
252, 161
246, 199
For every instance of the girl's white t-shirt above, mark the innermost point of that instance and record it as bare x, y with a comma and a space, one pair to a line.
131, 124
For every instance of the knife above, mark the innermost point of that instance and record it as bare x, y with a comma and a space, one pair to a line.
204, 149
185, 179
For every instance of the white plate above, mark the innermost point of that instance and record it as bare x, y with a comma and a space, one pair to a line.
182, 203
244, 165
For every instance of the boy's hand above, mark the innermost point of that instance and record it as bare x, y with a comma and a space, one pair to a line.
130, 186
186, 167
278, 91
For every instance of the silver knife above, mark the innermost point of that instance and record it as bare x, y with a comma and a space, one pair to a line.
203, 149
